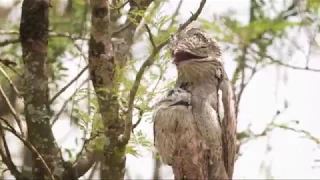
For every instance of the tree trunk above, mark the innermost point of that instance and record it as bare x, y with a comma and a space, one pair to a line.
34, 41
102, 73
103, 60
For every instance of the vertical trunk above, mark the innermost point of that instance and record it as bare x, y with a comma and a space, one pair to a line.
34, 41
102, 65
103, 74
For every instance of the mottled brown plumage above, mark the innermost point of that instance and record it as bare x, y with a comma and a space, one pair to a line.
177, 138
204, 73
201, 73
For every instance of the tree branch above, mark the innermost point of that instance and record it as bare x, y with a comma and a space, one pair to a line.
10, 81
9, 41
278, 62
67, 85
133, 91
6, 157
85, 158
57, 116
29, 146
300, 131
12, 111
150, 36
140, 115
51, 35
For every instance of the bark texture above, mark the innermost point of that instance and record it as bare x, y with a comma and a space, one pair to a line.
102, 72
104, 57
34, 41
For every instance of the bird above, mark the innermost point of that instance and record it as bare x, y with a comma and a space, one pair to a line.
198, 60
176, 138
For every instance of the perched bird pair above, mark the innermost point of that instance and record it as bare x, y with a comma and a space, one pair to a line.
195, 122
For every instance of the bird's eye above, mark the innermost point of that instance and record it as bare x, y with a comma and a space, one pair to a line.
203, 47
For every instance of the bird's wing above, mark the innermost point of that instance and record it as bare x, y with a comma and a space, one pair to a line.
164, 134
229, 125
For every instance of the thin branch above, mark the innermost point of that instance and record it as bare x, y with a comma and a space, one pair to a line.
141, 112
175, 14
12, 111
57, 116
6, 157
8, 62
10, 81
193, 17
29, 146
300, 131
293, 67
86, 158
67, 85
124, 27
85, 144
150, 36
133, 91
9, 41
86, 161
51, 34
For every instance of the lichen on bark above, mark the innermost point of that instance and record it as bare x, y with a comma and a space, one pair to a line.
34, 41
102, 72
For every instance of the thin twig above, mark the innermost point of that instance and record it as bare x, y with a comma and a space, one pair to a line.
10, 81
67, 85
51, 34
9, 41
12, 111
6, 156
175, 14
150, 36
133, 91
140, 115
117, 32
293, 67
300, 131
57, 116
8, 62
93, 135
29, 146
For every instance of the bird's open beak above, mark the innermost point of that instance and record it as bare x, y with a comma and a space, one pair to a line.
180, 56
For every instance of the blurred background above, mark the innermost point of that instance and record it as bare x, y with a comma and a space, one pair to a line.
271, 51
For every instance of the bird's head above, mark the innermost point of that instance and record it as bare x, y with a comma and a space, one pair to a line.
194, 52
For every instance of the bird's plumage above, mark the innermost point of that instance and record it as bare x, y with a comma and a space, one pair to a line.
177, 138
202, 75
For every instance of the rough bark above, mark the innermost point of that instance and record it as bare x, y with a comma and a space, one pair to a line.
34, 41
103, 59
102, 73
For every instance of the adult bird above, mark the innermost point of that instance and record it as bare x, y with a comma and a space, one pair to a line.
201, 73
